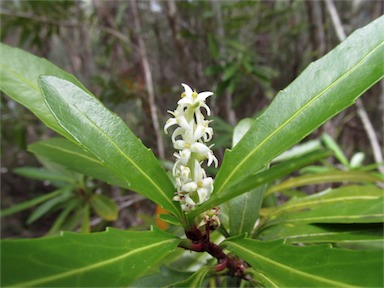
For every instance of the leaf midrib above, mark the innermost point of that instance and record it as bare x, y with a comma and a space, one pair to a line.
71, 152
118, 149
322, 218
20, 77
306, 204
90, 267
307, 105
246, 195
288, 268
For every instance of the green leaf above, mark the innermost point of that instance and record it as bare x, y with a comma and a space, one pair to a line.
351, 204
195, 280
106, 259
44, 208
41, 174
326, 87
243, 211
169, 219
313, 266
85, 219
241, 128
230, 71
254, 181
324, 233
299, 150
20, 72
326, 177
72, 156
107, 137
104, 207
164, 278
339, 154
29, 203
60, 221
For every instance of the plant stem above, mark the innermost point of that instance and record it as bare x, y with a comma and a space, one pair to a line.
201, 242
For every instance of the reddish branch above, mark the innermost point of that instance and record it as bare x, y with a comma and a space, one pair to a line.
200, 242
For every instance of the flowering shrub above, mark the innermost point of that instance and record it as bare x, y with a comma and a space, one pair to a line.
309, 241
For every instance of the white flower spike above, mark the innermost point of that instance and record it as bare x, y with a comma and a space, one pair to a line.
189, 138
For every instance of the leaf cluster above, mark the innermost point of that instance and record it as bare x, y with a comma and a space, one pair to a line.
329, 238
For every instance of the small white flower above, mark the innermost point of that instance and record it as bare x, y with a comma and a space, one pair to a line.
189, 187
193, 99
189, 139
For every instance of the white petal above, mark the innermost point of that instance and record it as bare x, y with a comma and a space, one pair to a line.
204, 95
205, 106
212, 158
184, 171
189, 187
199, 117
208, 134
199, 132
186, 101
208, 184
189, 201
198, 172
183, 122
170, 122
203, 195
186, 207
178, 131
179, 144
185, 154
188, 90
200, 148
176, 198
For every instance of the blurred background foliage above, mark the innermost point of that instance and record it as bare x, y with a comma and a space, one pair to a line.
244, 51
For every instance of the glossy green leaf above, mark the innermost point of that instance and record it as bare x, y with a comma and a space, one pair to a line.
326, 87
106, 259
72, 156
29, 203
254, 181
169, 219
107, 137
351, 204
326, 177
20, 72
313, 266
324, 233
243, 210
104, 207
195, 280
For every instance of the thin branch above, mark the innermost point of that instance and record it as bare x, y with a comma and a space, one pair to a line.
377, 153
336, 20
